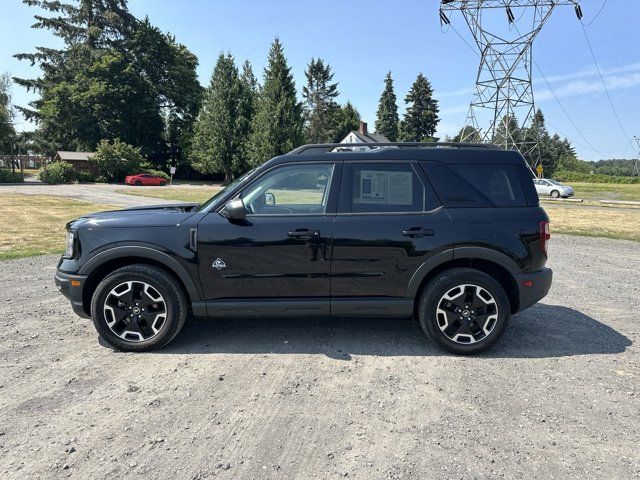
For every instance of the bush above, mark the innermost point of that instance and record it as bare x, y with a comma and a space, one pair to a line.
57, 172
86, 177
566, 176
7, 176
117, 159
156, 173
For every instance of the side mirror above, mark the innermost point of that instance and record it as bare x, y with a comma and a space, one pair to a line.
269, 199
234, 209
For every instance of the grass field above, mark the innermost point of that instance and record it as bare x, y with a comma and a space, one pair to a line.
34, 224
606, 191
181, 194
622, 223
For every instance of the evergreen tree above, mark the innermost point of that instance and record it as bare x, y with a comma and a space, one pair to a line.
421, 116
513, 138
7, 132
246, 109
320, 107
347, 120
218, 140
278, 121
387, 114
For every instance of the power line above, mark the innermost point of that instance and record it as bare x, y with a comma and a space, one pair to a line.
597, 15
604, 85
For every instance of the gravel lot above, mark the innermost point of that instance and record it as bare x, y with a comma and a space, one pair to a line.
559, 397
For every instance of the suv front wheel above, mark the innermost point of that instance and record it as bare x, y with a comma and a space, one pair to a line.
138, 308
464, 311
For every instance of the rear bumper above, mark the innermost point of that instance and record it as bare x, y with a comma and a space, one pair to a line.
71, 287
540, 283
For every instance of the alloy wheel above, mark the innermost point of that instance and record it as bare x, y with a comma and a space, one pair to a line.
135, 311
467, 314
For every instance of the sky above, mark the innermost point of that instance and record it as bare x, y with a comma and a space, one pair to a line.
362, 40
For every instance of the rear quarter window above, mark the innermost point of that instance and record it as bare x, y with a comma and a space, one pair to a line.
477, 184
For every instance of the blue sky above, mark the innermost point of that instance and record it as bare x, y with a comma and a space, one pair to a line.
362, 40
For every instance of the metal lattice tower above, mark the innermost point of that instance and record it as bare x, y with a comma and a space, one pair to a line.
636, 166
503, 102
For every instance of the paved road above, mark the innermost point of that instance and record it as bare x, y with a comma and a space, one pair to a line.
297, 399
97, 193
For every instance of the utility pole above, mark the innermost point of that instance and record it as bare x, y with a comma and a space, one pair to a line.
503, 103
636, 166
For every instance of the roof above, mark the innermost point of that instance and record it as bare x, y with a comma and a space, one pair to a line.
74, 156
370, 137
442, 152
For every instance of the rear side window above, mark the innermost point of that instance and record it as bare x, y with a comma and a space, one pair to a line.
385, 187
477, 184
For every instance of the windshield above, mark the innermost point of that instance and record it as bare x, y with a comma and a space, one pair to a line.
212, 203
553, 182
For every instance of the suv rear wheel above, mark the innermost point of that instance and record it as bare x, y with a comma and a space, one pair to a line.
138, 308
464, 311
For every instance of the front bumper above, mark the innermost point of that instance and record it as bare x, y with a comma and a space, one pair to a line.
533, 286
71, 287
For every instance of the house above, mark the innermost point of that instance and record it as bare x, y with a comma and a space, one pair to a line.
363, 136
81, 161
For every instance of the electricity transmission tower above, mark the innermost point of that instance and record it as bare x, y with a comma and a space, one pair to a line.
503, 103
636, 166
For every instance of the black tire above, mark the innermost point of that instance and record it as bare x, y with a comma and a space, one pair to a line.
137, 183
170, 297
434, 315
163, 183
555, 193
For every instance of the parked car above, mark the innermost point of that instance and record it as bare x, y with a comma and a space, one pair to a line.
144, 179
546, 187
453, 237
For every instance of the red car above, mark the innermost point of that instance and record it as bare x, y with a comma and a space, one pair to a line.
144, 179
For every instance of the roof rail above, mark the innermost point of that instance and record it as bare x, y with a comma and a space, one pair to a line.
327, 147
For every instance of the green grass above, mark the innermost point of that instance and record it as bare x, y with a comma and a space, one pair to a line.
606, 191
34, 224
181, 194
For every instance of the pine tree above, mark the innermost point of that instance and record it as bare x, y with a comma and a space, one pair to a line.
468, 134
278, 122
320, 107
421, 116
7, 132
246, 110
218, 139
348, 119
511, 140
387, 114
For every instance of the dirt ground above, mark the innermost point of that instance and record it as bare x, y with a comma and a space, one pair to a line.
559, 397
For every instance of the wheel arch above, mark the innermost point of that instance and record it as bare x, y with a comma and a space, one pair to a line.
491, 263
101, 265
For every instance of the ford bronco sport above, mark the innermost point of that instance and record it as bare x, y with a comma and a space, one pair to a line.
449, 234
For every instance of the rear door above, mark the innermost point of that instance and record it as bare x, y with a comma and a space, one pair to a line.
389, 222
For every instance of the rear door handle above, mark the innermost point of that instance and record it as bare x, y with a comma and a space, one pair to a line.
418, 232
304, 234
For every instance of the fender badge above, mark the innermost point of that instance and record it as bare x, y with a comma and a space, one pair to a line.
219, 264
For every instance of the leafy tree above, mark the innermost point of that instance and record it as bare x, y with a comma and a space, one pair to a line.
468, 134
421, 117
7, 132
387, 114
278, 121
116, 160
219, 137
347, 120
320, 107
114, 77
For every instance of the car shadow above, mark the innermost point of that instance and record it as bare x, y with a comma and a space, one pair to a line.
542, 331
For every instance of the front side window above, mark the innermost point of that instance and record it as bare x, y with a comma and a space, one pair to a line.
290, 190
386, 187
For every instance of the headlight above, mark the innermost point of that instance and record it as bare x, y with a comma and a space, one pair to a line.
71, 245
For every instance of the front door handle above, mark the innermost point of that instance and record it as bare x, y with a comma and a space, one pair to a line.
418, 232
304, 234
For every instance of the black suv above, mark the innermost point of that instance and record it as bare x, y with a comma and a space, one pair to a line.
449, 234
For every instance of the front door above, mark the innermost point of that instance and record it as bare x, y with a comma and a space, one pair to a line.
278, 258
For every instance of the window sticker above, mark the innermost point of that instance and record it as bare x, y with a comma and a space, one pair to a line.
385, 188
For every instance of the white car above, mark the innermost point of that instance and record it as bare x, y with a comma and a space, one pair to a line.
546, 187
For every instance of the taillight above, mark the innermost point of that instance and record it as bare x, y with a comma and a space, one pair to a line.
545, 235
